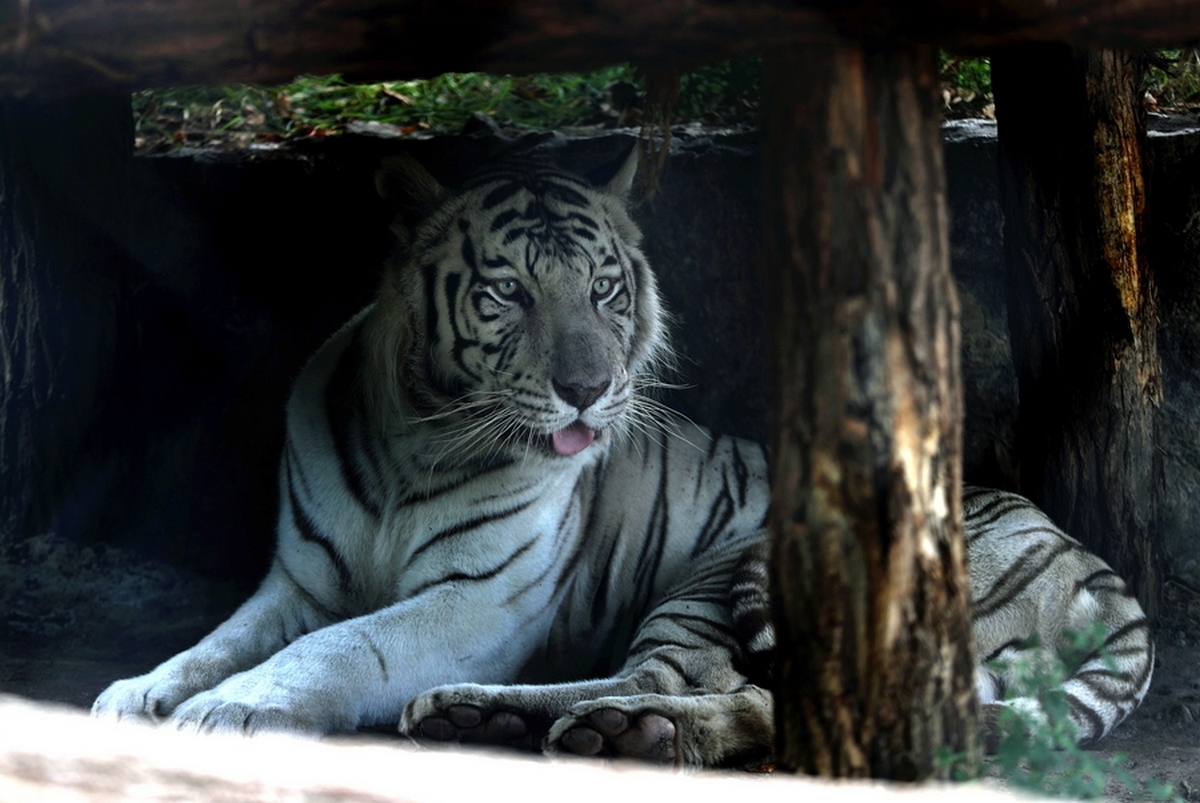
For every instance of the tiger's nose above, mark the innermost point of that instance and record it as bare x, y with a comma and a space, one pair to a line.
579, 395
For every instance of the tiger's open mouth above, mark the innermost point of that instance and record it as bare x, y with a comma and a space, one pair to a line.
572, 439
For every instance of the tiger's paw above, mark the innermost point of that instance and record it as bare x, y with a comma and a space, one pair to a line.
602, 729
471, 725
208, 713
466, 714
151, 697
256, 701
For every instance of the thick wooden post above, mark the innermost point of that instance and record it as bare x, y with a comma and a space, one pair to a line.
1082, 302
876, 660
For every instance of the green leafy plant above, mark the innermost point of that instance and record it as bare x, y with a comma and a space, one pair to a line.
187, 113
325, 105
320, 106
1037, 750
1172, 78
966, 86
446, 102
715, 92
966, 75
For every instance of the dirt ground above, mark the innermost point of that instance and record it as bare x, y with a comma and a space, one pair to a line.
71, 621
1161, 740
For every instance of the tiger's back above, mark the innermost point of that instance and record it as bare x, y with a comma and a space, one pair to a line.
1034, 590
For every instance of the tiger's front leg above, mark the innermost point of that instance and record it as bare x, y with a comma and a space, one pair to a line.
678, 700
362, 671
275, 615
735, 729
259, 671
614, 718
601, 718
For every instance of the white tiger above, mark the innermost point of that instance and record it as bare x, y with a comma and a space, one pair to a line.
486, 532
474, 493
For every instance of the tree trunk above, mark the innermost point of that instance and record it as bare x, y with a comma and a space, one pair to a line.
63, 186
1082, 308
875, 660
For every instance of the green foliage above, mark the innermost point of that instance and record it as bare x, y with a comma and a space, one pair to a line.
966, 86
966, 75
446, 102
1037, 749
323, 105
172, 113
1173, 78
319, 106
713, 90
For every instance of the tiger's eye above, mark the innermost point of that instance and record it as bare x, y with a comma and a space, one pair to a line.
507, 287
601, 286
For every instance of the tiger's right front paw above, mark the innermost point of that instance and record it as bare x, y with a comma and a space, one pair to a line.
150, 697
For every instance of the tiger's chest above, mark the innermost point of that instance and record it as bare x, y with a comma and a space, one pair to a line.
495, 535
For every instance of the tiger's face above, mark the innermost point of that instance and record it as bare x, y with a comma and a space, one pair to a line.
538, 315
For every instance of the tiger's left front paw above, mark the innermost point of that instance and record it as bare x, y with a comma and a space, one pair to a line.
468, 714
599, 729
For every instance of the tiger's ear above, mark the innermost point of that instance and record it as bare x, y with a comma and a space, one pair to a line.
410, 190
621, 183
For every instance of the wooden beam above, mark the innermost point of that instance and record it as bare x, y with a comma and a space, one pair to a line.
56, 46
67, 46
986, 24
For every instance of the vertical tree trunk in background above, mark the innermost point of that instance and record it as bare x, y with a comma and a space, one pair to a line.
63, 186
875, 665
1082, 308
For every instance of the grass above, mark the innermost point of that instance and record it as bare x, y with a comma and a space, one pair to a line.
445, 103
323, 106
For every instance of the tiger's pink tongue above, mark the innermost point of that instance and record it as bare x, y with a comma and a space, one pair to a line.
573, 439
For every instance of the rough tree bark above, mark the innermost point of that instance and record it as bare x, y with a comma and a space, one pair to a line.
63, 189
1082, 309
875, 659
64, 45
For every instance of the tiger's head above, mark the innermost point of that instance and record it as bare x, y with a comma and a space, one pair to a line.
519, 313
